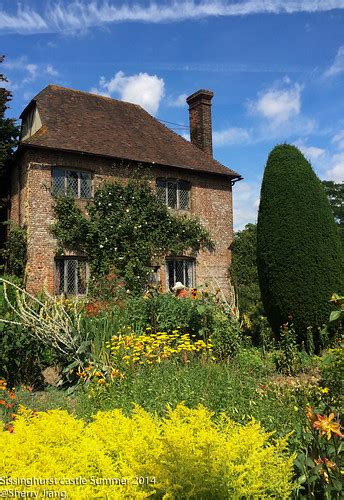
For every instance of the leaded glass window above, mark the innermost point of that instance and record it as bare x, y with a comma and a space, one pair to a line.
71, 276
71, 182
174, 193
180, 270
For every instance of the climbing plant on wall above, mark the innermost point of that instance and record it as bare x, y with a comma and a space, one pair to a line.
126, 228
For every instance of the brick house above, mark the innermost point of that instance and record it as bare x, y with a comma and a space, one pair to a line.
72, 140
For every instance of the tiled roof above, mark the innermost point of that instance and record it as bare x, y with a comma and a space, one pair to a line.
89, 123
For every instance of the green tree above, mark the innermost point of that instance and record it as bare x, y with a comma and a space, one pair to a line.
299, 253
8, 141
127, 228
8, 129
335, 195
244, 267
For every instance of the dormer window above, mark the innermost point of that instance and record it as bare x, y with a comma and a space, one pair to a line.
31, 123
174, 193
74, 183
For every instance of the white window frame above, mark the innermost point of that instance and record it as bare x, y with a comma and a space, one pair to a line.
187, 262
58, 277
177, 183
65, 178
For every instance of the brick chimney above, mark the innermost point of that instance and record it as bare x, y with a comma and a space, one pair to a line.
200, 120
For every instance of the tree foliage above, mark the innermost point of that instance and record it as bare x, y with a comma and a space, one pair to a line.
8, 129
126, 229
299, 253
335, 195
244, 267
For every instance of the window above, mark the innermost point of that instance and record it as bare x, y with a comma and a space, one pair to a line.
174, 193
180, 270
154, 275
71, 276
71, 182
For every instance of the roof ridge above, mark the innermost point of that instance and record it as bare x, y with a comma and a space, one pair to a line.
53, 86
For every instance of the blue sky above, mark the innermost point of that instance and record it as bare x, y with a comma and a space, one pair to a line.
276, 68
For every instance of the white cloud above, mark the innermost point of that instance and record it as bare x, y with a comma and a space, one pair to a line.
312, 153
245, 204
232, 135
50, 70
79, 15
336, 170
24, 71
143, 89
338, 64
338, 139
177, 102
278, 104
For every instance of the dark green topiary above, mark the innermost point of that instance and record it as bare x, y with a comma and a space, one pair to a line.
299, 253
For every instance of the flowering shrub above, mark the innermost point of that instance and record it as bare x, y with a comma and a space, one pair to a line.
127, 350
152, 348
184, 455
9, 404
126, 229
320, 453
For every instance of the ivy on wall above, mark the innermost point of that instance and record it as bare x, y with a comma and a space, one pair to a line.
126, 228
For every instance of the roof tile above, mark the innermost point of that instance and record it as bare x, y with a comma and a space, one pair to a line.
82, 122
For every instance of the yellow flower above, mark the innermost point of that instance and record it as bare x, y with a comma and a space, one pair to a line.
324, 390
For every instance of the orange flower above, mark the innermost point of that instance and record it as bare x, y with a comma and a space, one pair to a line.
2, 402
12, 395
326, 461
326, 427
10, 428
309, 414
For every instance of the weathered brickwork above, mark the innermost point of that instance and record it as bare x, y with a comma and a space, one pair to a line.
31, 205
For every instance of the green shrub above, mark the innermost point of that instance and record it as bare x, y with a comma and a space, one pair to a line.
226, 336
299, 253
22, 357
15, 252
332, 373
244, 268
251, 361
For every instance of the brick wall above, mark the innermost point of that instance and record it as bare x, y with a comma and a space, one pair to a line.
31, 205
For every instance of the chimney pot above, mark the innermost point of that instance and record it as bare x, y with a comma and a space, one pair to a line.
200, 119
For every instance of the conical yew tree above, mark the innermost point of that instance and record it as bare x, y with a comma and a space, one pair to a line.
299, 253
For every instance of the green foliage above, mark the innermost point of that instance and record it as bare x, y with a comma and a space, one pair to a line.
8, 130
252, 362
126, 229
335, 194
22, 357
332, 373
15, 251
226, 336
244, 267
299, 253
286, 357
